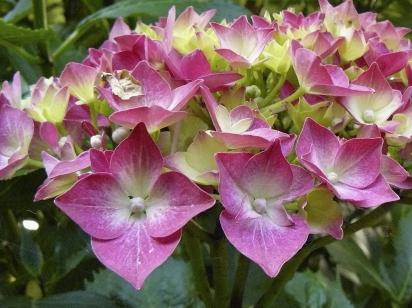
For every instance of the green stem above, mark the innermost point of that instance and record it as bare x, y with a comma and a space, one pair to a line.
281, 105
66, 44
40, 22
196, 230
193, 248
175, 139
220, 265
274, 92
240, 281
289, 269
21, 52
34, 164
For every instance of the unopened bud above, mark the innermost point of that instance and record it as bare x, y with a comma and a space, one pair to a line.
253, 91
96, 141
119, 134
369, 116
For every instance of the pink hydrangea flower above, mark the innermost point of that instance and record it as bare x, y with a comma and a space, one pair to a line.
253, 190
240, 43
132, 210
322, 79
11, 92
81, 81
241, 127
377, 107
351, 169
195, 66
16, 132
145, 96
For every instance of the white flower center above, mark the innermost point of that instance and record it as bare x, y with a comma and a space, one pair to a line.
336, 121
369, 115
137, 207
96, 141
120, 133
259, 205
332, 176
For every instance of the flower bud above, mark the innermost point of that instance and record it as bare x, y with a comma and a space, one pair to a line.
119, 134
96, 141
253, 91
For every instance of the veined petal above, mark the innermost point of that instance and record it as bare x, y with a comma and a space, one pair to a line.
98, 205
135, 254
267, 174
80, 79
377, 193
155, 117
136, 162
173, 201
357, 162
232, 194
264, 242
317, 144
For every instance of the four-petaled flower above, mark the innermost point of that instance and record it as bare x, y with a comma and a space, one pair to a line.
253, 191
132, 210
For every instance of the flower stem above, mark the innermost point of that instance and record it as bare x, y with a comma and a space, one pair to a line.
220, 264
289, 269
193, 248
240, 281
40, 22
281, 105
34, 164
274, 92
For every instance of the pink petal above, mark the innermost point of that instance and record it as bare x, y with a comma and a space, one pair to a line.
392, 62
394, 173
80, 79
233, 58
317, 144
155, 118
375, 194
267, 174
100, 160
54, 187
119, 28
183, 94
233, 196
136, 162
195, 65
156, 90
301, 184
173, 201
135, 254
216, 81
98, 205
264, 242
70, 166
357, 162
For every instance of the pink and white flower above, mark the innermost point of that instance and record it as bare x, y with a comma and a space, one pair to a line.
132, 210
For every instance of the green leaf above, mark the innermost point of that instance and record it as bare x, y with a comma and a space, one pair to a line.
401, 269
151, 9
30, 254
157, 8
307, 289
350, 256
322, 213
21, 36
20, 10
78, 299
313, 290
168, 286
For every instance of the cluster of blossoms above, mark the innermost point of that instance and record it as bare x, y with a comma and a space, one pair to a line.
282, 119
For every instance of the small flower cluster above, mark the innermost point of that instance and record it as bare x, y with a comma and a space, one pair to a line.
280, 118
